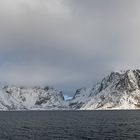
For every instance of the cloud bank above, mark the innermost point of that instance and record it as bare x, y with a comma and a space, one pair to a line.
67, 43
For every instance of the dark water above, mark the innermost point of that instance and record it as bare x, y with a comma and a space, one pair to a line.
70, 125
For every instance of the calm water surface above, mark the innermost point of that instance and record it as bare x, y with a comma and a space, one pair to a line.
70, 125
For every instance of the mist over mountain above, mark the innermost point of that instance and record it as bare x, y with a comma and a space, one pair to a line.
66, 43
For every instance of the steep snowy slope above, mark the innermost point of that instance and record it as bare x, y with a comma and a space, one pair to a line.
37, 98
116, 91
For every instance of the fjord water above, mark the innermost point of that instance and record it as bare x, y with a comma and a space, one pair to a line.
70, 125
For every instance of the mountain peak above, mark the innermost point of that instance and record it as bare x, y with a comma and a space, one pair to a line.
118, 90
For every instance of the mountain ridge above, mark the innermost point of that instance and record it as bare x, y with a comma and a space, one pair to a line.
118, 90
115, 91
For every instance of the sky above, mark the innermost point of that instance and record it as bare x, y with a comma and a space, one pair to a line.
67, 44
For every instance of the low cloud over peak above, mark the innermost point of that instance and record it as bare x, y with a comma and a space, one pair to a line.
67, 43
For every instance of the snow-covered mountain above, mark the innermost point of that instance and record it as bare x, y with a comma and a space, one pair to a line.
116, 91
119, 90
37, 98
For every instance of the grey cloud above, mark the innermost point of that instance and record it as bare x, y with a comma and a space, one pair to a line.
67, 43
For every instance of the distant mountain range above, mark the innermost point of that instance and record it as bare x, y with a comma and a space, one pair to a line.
119, 90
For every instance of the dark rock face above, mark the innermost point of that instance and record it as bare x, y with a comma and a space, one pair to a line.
42, 100
78, 92
61, 95
122, 81
128, 83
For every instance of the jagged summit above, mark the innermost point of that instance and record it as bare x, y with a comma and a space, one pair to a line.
116, 91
